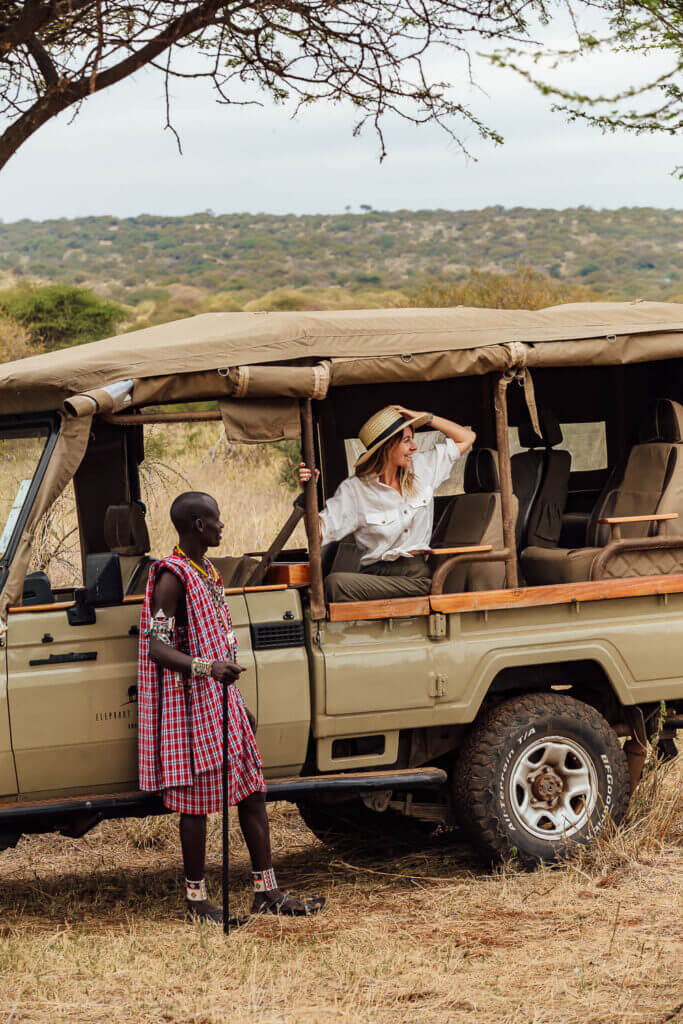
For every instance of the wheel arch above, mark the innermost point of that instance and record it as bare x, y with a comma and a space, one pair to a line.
594, 672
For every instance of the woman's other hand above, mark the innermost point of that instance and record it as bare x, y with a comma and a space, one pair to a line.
305, 473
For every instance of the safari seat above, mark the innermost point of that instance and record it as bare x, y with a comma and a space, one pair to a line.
651, 483
126, 535
540, 481
474, 518
235, 570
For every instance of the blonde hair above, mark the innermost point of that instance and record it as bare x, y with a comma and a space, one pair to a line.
376, 465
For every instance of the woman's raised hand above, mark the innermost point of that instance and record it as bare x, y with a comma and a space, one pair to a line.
305, 473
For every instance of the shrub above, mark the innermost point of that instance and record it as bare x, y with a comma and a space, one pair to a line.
526, 288
15, 341
57, 315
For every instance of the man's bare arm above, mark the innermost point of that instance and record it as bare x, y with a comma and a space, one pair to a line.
168, 598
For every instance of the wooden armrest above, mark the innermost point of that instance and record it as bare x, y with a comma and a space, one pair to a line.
618, 520
469, 549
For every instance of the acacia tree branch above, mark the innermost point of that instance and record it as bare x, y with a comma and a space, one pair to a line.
43, 61
35, 16
65, 93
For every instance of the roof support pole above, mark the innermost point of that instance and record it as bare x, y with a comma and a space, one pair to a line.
311, 518
505, 473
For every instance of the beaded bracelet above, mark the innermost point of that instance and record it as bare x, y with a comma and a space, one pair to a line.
201, 667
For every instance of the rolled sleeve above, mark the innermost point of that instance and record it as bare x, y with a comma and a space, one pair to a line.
439, 461
340, 515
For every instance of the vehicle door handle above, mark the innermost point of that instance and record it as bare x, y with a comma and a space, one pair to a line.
63, 659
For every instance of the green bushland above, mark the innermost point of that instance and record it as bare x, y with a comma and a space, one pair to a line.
57, 315
632, 252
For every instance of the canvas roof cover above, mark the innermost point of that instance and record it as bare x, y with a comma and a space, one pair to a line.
215, 341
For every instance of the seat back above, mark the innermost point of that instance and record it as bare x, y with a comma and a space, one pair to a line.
475, 517
650, 482
234, 570
540, 481
126, 535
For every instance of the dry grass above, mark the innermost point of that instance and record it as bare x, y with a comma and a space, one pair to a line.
244, 479
92, 931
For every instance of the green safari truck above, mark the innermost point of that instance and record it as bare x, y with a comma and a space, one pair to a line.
517, 700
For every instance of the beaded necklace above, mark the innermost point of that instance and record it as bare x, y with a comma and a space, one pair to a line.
208, 575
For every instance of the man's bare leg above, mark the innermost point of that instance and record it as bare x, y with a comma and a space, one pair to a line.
193, 843
256, 831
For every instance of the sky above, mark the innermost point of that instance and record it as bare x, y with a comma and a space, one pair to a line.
116, 158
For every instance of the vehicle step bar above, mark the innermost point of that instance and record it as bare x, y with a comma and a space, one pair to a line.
16, 814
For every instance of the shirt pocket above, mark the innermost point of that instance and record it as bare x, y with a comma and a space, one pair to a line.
377, 518
421, 500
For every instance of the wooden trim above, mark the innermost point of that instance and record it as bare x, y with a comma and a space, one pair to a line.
54, 607
561, 593
617, 520
467, 549
385, 608
132, 599
292, 574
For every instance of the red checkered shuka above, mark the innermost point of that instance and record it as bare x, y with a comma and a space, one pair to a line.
180, 729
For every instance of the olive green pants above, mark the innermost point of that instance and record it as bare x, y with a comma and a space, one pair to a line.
406, 577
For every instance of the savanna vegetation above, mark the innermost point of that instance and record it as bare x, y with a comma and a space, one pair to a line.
234, 260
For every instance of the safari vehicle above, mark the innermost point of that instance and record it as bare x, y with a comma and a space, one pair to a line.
516, 699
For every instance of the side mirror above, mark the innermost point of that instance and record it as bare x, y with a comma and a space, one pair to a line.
103, 586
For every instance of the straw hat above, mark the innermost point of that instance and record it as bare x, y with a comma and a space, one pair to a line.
384, 425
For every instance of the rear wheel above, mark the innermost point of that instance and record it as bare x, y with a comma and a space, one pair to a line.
539, 774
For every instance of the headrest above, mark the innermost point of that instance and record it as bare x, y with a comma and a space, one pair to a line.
125, 529
663, 422
481, 472
551, 432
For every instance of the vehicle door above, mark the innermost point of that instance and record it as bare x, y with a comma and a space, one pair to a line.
26, 444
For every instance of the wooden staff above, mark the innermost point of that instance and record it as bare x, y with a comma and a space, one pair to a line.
226, 822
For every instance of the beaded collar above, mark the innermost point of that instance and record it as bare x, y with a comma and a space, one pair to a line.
208, 575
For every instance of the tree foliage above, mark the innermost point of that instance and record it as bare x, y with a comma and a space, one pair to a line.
372, 53
59, 315
644, 28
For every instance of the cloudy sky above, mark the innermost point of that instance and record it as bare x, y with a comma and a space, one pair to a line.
116, 157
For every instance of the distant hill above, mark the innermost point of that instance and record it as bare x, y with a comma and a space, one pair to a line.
628, 252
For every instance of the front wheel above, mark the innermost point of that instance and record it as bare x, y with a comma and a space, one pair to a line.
539, 774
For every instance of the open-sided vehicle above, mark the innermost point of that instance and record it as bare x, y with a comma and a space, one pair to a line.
516, 699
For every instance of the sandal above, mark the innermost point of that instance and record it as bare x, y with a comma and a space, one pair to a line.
286, 905
206, 911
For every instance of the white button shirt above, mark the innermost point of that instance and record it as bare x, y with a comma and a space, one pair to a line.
387, 525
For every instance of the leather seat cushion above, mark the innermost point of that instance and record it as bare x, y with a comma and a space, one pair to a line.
541, 566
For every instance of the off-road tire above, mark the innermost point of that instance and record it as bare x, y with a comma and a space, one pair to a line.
342, 826
482, 779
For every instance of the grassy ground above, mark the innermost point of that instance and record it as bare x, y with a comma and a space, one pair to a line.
92, 930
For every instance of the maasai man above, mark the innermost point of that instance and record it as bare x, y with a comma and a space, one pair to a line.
187, 650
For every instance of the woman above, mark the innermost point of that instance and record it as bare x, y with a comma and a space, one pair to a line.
388, 505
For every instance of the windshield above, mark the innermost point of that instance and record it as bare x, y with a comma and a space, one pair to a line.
20, 453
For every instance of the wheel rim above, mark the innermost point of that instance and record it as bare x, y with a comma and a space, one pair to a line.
553, 788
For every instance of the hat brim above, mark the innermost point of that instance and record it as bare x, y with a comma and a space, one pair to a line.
401, 423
